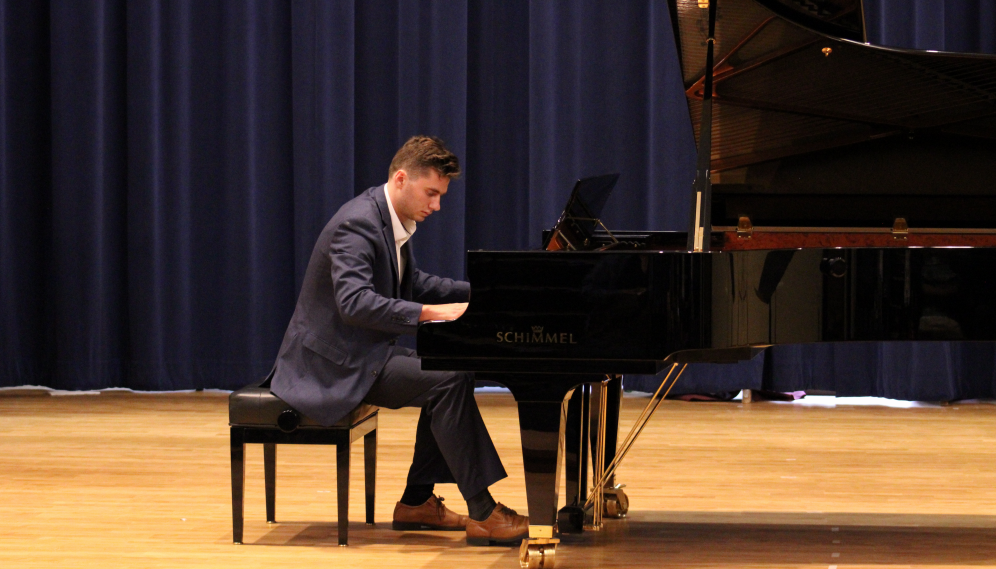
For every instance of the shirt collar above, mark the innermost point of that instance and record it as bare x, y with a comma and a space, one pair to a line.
402, 231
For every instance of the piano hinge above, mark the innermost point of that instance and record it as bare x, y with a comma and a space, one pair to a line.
744, 228
900, 229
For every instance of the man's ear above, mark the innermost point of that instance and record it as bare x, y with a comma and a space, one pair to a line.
400, 177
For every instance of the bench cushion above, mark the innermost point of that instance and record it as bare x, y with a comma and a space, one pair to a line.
255, 406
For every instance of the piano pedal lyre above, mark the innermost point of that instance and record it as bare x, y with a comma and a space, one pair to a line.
597, 497
605, 501
606, 473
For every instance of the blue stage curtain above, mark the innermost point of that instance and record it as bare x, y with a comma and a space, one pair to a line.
166, 165
967, 26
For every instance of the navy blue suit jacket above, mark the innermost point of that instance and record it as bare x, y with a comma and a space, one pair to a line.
352, 304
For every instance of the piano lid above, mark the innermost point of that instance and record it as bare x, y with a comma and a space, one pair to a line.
792, 78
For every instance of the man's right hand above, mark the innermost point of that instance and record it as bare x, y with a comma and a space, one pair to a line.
442, 311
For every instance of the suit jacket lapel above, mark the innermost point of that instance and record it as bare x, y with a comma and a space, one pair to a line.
388, 228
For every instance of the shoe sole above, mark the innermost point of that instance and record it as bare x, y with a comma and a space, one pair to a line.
416, 526
491, 541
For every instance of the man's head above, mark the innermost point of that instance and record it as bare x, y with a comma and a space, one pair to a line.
419, 176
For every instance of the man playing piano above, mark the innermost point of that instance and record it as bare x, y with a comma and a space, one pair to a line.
362, 289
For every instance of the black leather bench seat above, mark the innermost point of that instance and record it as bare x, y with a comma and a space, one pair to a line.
256, 415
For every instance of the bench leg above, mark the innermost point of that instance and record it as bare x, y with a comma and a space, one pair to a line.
270, 473
238, 482
342, 488
370, 471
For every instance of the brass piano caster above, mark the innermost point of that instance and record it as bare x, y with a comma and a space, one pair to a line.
538, 553
616, 502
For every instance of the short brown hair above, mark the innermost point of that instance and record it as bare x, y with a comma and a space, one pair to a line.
423, 152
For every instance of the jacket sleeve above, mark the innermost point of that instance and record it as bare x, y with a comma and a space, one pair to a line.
353, 254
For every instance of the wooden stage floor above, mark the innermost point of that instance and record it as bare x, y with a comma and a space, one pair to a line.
135, 480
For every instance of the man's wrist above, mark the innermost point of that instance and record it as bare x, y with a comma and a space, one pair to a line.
427, 313
442, 311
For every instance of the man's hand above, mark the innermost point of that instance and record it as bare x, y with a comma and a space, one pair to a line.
442, 311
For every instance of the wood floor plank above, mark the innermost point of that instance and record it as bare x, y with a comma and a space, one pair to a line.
136, 480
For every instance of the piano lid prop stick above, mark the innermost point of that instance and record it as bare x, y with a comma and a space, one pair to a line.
700, 229
636, 430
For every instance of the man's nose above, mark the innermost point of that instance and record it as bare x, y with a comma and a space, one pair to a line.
434, 204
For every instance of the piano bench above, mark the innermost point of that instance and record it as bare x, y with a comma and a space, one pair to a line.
258, 416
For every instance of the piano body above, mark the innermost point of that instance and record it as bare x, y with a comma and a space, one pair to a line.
845, 192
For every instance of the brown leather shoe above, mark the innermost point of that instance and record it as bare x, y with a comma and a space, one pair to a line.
503, 527
430, 515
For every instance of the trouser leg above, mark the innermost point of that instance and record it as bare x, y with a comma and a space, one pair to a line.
428, 464
452, 443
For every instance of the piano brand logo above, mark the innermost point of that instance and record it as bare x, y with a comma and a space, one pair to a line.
537, 336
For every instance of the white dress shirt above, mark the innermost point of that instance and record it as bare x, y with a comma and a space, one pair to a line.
402, 233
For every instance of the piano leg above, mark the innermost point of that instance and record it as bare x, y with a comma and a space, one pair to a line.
613, 391
571, 518
616, 501
582, 425
541, 425
542, 402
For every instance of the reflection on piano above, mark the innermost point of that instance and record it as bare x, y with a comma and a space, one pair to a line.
844, 192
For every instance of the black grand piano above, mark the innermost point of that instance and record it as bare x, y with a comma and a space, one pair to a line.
844, 192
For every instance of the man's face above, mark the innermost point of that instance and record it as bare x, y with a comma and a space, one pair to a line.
419, 197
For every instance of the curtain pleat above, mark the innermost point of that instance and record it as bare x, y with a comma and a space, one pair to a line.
166, 165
